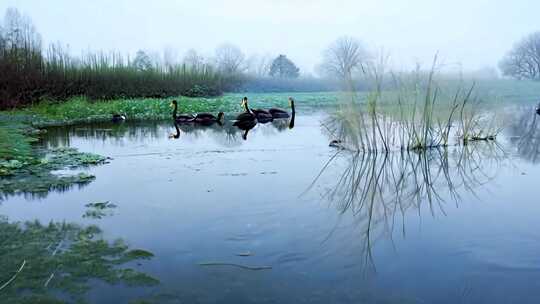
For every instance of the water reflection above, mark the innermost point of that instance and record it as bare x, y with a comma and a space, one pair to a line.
119, 133
309, 246
525, 133
231, 132
378, 189
59, 262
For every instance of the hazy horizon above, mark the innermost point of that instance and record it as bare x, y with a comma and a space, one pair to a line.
467, 35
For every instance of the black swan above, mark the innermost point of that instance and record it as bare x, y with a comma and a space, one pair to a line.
118, 117
280, 113
182, 118
208, 119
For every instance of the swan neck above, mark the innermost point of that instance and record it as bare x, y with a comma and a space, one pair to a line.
246, 107
175, 110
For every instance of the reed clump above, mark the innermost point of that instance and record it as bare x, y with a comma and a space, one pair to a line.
410, 111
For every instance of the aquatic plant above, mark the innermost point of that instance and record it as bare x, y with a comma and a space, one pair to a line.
15, 145
410, 112
99, 210
56, 263
35, 174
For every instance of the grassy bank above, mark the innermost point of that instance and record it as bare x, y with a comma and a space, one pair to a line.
28, 169
81, 109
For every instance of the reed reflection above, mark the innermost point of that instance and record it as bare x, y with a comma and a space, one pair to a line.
526, 132
379, 189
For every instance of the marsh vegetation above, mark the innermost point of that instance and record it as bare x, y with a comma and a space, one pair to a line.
411, 111
426, 193
55, 262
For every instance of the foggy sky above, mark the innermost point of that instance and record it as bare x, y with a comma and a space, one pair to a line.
467, 33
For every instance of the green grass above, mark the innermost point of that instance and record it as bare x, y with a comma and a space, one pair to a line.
14, 144
81, 109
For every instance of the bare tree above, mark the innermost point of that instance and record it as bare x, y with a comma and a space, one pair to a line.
229, 59
523, 61
344, 57
19, 31
258, 65
2, 38
193, 60
170, 57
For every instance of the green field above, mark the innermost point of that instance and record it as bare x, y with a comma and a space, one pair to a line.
15, 125
81, 109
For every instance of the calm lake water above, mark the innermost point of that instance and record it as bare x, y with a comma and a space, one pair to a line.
448, 226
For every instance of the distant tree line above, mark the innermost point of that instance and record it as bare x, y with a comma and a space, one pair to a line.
29, 73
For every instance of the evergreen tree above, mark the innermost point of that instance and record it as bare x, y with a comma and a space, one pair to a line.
142, 61
283, 67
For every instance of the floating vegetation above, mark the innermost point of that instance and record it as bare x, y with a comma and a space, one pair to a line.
36, 175
99, 210
56, 263
15, 146
60, 158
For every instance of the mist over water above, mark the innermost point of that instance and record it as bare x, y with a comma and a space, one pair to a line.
330, 225
468, 35
269, 151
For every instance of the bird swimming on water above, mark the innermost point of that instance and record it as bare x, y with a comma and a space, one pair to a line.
247, 117
263, 116
200, 118
182, 118
280, 113
247, 120
208, 119
118, 117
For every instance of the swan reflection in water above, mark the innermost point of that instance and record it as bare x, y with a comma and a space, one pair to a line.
231, 130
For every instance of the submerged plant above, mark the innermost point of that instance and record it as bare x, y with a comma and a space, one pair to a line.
99, 210
36, 175
56, 263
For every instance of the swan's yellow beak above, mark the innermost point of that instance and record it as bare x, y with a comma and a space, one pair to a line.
243, 102
171, 105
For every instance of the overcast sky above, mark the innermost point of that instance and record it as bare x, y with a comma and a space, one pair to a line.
470, 33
